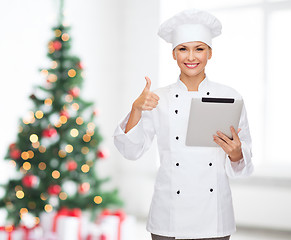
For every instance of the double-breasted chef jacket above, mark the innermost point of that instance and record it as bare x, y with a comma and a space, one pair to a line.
192, 197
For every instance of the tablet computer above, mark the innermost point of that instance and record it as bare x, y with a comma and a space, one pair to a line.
209, 115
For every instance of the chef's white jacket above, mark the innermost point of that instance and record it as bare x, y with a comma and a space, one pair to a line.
192, 196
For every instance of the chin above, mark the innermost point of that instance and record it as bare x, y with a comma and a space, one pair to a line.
193, 74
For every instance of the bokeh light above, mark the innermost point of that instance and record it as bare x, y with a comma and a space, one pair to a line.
79, 121
56, 174
72, 73
48, 101
48, 208
26, 166
30, 154
20, 194
69, 148
33, 138
24, 155
85, 150
39, 114
42, 166
63, 119
42, 149
85, 168
98, 199
63, 196
75, 106
62, 154
86, 138
74, 132
65, 37
58, 32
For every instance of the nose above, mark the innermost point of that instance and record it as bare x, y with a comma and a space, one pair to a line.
191, 56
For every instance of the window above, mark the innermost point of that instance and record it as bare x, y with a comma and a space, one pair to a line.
252, 56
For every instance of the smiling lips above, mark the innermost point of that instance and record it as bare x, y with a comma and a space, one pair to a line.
191, 65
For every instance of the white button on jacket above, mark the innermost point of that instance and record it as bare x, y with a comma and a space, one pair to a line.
192, 197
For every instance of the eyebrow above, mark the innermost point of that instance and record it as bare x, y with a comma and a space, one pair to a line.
194, 47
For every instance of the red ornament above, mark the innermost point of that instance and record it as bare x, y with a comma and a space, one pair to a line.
80, 65
103, 237
64, 113
15, 153
49, 132
54, 189
29, 181
75, 92
84, 188
71, 165
102, 154
12, 146
57, 45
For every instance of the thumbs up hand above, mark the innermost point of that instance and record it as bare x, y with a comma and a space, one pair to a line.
147, 100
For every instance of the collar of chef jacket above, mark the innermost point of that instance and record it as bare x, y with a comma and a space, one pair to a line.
201, 86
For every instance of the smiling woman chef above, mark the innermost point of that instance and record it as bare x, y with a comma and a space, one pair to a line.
192, 197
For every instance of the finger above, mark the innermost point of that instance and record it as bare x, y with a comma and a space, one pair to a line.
234, 134
149, 107
148, 84
151, 98
155, 96
224, 137
238, 130
221, 143
151, 102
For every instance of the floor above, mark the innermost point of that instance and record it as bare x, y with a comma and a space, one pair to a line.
241, 234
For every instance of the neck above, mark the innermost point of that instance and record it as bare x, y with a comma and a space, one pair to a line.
192, 82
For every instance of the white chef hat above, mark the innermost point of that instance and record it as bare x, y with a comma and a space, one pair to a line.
190, 25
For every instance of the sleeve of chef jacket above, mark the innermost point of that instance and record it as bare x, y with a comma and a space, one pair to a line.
244, 167
135, 142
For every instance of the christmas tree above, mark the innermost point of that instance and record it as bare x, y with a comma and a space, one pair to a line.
58, 145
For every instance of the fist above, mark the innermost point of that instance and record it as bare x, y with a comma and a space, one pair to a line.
147, 100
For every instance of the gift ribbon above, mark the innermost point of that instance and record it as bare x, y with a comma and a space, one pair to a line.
75, 212
101, 237
27, 230
120, 214
9, 230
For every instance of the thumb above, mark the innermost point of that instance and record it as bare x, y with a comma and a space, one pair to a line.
148, 85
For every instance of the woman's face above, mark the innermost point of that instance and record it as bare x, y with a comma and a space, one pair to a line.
192, 58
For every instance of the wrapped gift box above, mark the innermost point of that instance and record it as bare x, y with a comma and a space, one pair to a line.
62, 225
94, 232
117, 226
109, 226
11, 234
21, 233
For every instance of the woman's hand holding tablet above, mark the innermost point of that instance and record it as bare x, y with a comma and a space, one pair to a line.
232, 147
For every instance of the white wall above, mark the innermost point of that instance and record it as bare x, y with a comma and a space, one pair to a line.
25, 31
139, 58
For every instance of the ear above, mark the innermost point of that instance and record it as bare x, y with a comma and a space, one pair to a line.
210, 53
174, 54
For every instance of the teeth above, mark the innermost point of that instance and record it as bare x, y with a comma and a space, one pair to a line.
192, 65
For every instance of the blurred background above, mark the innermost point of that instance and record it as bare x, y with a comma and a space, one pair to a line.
118, 45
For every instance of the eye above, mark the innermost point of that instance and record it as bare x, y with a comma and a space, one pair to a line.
182, 49
200, 49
